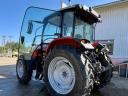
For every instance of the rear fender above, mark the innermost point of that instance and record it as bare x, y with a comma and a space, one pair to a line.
63, 41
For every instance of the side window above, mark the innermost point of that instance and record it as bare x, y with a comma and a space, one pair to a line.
68, 24
83, 30
52, 27
31, 32
79, 31
38, 33
36, 40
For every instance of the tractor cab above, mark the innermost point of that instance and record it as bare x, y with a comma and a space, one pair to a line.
42, 26
74, 21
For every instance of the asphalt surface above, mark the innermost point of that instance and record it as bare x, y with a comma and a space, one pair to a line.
9, 85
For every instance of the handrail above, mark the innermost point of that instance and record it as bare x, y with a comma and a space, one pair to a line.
49, 35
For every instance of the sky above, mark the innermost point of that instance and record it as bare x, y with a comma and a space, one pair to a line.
12, 12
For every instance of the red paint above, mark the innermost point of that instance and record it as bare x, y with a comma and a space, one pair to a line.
37, 53
34, 55
62, 41
85, 41
95, 44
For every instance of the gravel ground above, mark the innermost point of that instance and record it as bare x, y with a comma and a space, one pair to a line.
9, 85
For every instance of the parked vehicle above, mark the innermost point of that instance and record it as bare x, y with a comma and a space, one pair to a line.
60, 46
14, 54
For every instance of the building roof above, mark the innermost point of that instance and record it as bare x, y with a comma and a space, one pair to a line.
112, 3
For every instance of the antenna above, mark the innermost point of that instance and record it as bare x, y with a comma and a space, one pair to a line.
69, 2
61, 4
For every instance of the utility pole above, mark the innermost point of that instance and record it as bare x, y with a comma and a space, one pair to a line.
0, 46
3, 44
0, 40
10, 40
61, 6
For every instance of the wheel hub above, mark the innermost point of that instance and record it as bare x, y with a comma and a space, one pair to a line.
61, 75
64, 74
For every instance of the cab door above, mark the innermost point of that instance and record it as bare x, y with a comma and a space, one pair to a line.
31, 31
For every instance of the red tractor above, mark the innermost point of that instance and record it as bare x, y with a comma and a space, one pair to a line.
60, 46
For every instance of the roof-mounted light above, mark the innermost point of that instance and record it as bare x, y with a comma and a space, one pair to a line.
91, 10
85, 7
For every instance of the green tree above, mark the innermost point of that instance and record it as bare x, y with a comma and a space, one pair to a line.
1, 49
11, 45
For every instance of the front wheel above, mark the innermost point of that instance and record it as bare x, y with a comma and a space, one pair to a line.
23, 75
65, 73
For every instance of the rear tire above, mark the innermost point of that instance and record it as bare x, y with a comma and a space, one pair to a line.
23, 74
106, 76
77, 72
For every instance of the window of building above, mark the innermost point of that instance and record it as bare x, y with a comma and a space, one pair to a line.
109, 44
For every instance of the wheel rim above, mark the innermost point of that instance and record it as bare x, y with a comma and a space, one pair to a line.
20, 70
61, 75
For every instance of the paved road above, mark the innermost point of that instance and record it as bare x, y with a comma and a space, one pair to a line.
9, 86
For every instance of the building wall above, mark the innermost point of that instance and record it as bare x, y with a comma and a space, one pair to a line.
114, 26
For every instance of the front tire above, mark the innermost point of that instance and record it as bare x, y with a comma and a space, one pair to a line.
22, 72
68, 73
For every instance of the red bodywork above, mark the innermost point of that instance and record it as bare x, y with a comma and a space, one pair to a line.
95, 44
63, 41
57, 42
37, 53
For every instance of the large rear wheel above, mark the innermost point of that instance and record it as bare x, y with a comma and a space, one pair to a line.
68, 73
106, 76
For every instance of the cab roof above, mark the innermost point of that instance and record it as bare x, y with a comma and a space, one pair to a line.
83, 12
84, 9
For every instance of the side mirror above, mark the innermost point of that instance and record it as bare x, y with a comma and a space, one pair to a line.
30, 27
22, 39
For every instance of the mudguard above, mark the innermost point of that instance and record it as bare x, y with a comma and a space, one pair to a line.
63, 41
